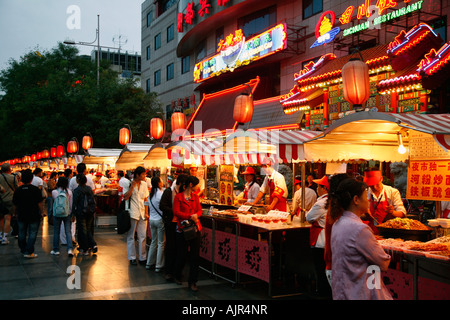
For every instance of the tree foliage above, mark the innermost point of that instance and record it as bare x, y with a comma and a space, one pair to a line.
53, 96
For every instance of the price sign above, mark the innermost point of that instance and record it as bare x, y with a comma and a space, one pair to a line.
429, 180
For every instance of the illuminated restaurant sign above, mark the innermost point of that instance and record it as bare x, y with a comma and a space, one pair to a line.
378, 17
235, 51
375, 14
429, 180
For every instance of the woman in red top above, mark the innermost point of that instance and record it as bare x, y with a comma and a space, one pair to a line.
186, 206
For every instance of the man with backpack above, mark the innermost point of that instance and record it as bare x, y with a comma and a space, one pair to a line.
83, 209
62, 204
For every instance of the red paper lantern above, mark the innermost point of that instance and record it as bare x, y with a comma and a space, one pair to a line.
72, 146
124, 136
243, 108
53, 152
87, 142
12, 162
33, 157
178, 121
38, 155
18, 160
355, 81
156, 128
45, 154
60, 151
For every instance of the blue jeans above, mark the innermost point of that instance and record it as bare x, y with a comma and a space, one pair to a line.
57, 229
31, 228
156, 253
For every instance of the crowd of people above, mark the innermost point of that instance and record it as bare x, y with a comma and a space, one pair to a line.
70, 206
343, 213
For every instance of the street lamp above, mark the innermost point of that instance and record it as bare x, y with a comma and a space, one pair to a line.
91, 44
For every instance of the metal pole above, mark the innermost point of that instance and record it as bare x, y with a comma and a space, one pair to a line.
98, 50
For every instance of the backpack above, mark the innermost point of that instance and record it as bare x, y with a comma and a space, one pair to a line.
89, 205
61, 208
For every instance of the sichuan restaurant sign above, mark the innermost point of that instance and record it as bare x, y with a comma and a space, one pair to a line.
235, 51
429, 180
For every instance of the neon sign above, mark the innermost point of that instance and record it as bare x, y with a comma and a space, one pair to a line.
382, 5
235, 51
325, 32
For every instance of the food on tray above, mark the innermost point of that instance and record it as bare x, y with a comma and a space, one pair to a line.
404, 224
423, 246
230, 213
444, 239
210, 202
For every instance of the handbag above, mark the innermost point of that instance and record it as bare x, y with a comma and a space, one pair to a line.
123, 219
189, 230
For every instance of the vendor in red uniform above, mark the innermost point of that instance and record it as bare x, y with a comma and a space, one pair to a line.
274, 184
385, 201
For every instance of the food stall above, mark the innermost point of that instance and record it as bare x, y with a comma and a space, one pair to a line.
244, 243
101, 160
157, 158
420, 264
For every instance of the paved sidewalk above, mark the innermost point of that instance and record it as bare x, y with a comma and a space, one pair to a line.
106, 275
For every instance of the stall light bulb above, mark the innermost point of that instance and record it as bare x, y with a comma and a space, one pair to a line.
401, 149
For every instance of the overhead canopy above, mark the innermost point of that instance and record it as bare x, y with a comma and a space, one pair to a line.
157, 157
371, 135
97, 156
132, 156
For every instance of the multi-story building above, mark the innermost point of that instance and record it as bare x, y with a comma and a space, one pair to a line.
189, 47
128, 65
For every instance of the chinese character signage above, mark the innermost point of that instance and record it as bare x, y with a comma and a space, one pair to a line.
429, 180
235, 51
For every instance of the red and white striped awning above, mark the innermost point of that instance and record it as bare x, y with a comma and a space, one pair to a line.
246, 147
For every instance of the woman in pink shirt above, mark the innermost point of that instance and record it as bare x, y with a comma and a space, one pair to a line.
357, 258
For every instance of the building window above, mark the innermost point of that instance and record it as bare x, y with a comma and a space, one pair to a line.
219, 36
148, 53
170, 70
258, 21
170, 32
147, 86
157, 79
201, 50
185, 65
312, 7
149, 18
158, 41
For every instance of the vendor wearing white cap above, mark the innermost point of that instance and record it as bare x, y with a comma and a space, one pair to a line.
251, 188
385, 201
274, 184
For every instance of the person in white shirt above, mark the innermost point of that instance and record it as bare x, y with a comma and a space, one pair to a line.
317, 217
275, 185
310, 199
445, 209
123, 183
385, 201
73, 184
137, 194
37, 178
156, 253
